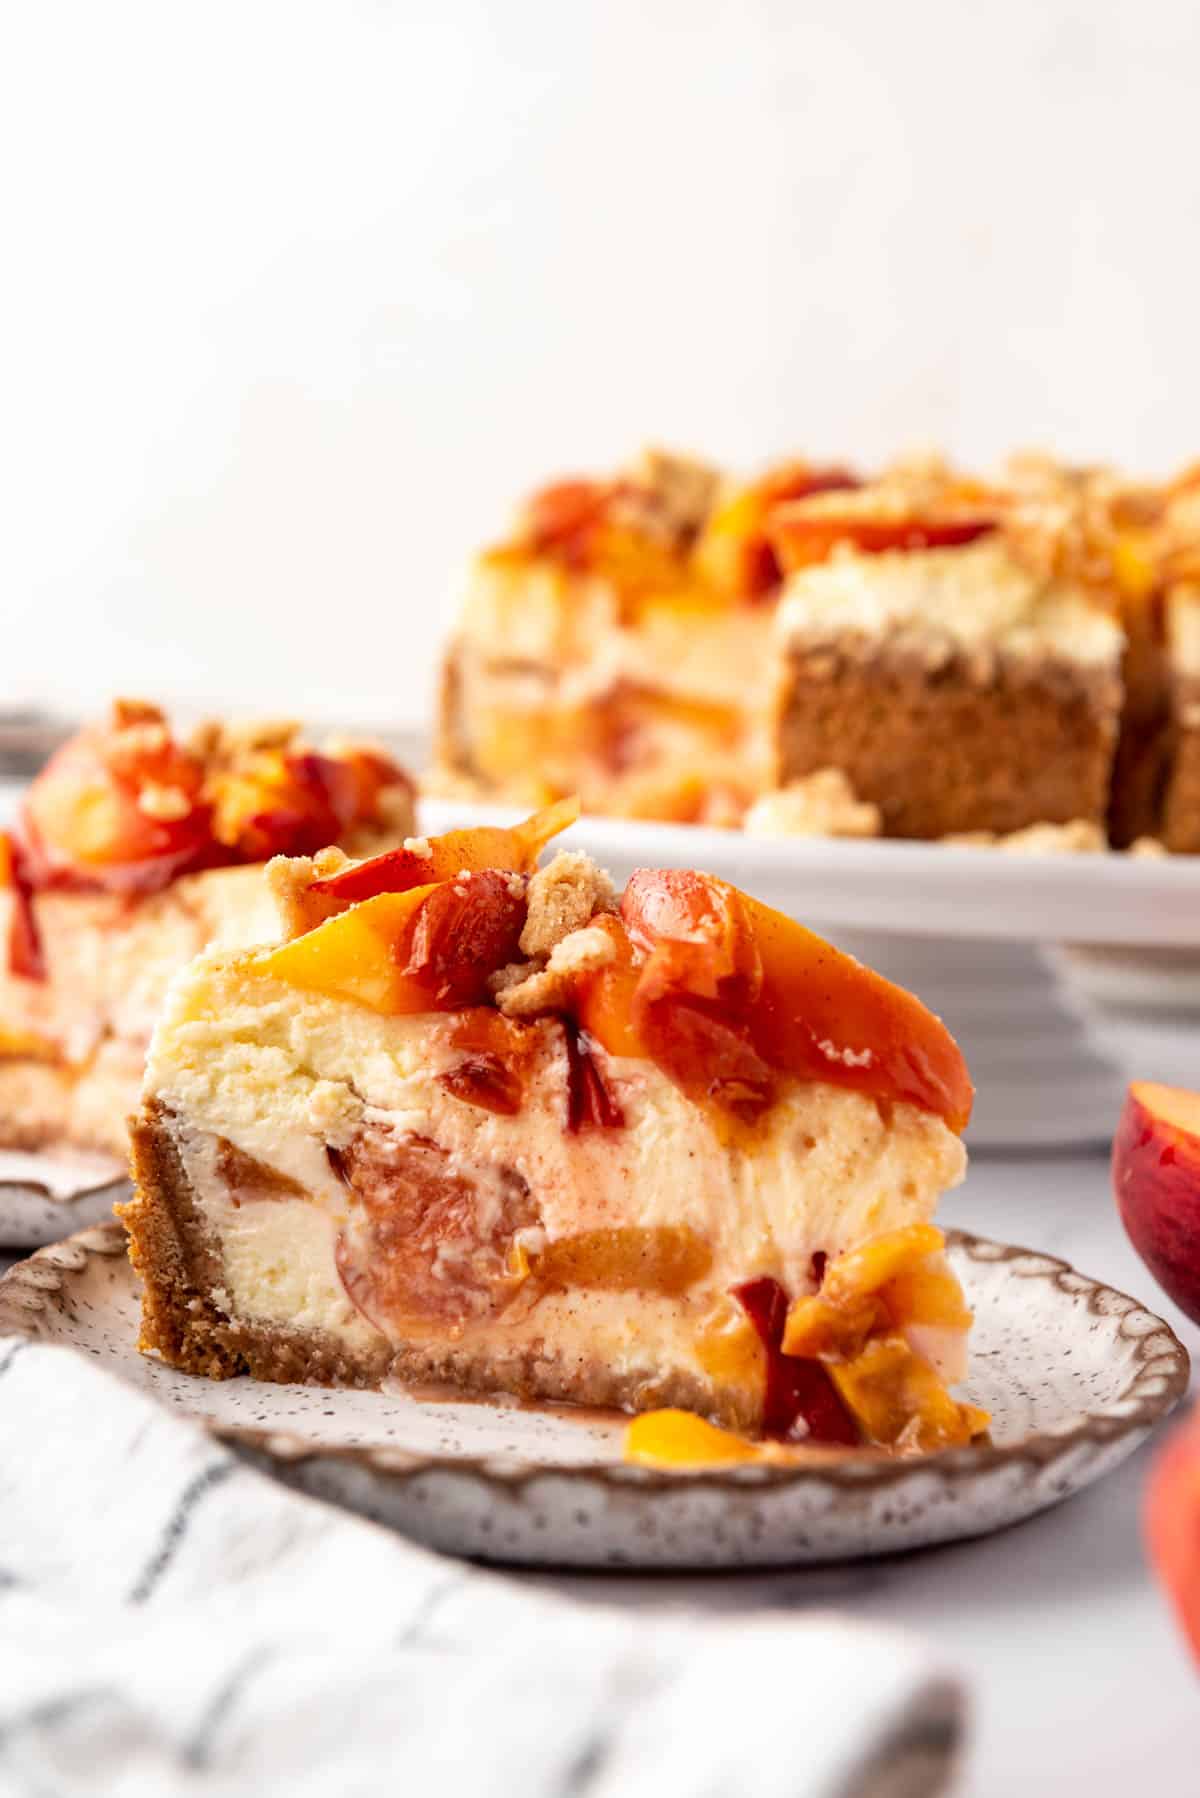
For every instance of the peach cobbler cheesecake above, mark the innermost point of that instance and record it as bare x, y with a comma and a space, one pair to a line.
616, 644
921, 652
132, 850
485, 1122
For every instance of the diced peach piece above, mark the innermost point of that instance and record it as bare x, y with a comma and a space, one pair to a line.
283, 802
432, 948
819, 1330
730, 989
927, 1296
798, 1393
591, 1103
456, 851
27, 1045
664, 1259
557, 516
730, 1348
353, 956
25, 952
672, 1438
604, 999
1156, 1178
879, 1260
897, 1279
119, 806
801, 535
429, 1239
1172, 1519
733, 553
899, 1402
495, 1054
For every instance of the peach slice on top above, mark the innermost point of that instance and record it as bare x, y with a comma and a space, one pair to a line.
455, 852
801, 535
403, 947
432, 948
722, 991
733, 553
120, 805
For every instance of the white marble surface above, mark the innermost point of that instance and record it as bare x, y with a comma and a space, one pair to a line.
1081, 1681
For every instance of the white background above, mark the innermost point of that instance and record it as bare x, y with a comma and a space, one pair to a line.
298, 297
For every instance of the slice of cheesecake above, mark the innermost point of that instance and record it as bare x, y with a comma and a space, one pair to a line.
132, 851
953, 650
486, 1124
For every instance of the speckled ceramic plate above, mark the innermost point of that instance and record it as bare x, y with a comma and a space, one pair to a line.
1073, 1373
46, 1195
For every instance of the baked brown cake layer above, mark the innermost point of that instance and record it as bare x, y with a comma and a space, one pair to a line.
1181, 802
943, 744
178, 1261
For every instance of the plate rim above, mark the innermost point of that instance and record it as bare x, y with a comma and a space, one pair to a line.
1160, 1377
39, 1190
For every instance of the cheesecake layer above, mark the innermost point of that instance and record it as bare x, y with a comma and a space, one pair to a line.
72, 1045
977, 600
555, 684
326, 1191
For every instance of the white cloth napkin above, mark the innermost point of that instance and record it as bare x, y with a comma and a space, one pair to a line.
173, 1621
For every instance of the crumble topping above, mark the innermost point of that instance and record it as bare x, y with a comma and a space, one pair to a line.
528, 991
670, 495
224, 740
1080, 837
562, 897
128, 712
822, 804
290, 880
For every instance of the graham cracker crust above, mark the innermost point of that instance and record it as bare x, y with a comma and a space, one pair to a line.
174, 1253
944, 746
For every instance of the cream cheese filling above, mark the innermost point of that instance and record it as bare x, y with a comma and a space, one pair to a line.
527, 626
281, 1074
974, 597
